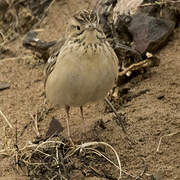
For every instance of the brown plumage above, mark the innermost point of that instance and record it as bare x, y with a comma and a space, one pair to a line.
84, 69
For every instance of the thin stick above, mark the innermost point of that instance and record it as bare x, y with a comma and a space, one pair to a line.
45, 13
157, 150
64, 167
115, 112
16, 135
57, 160
2, 35
6, 119
36, 125
135, 66
46, 142
168, 135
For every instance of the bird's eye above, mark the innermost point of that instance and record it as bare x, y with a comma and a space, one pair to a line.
78, 28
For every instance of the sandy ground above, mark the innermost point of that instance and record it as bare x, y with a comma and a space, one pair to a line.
148, 117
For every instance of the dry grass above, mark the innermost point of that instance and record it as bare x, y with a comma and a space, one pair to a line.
53, 157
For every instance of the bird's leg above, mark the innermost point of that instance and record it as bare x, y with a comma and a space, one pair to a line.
67, 108
115, 112
82, 116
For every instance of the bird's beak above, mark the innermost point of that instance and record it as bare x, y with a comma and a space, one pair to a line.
90, 27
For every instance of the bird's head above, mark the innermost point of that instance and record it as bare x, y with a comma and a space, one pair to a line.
85, 25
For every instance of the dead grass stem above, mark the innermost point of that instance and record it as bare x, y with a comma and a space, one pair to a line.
9, 124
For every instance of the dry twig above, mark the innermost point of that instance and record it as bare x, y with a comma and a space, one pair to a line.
9, 124
136, 66
35, 119
44, 14
167, 135
2, 35
117, 115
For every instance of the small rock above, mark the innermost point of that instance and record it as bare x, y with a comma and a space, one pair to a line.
167, 10
4, 85
161, 96
31, 41
149, 33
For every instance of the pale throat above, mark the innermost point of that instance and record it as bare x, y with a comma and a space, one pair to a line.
91, 37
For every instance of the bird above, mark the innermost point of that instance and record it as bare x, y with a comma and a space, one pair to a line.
84, 69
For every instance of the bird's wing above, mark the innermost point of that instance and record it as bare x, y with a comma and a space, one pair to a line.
53, 58
50, 66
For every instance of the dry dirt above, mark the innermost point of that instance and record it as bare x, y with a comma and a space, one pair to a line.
148, 117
